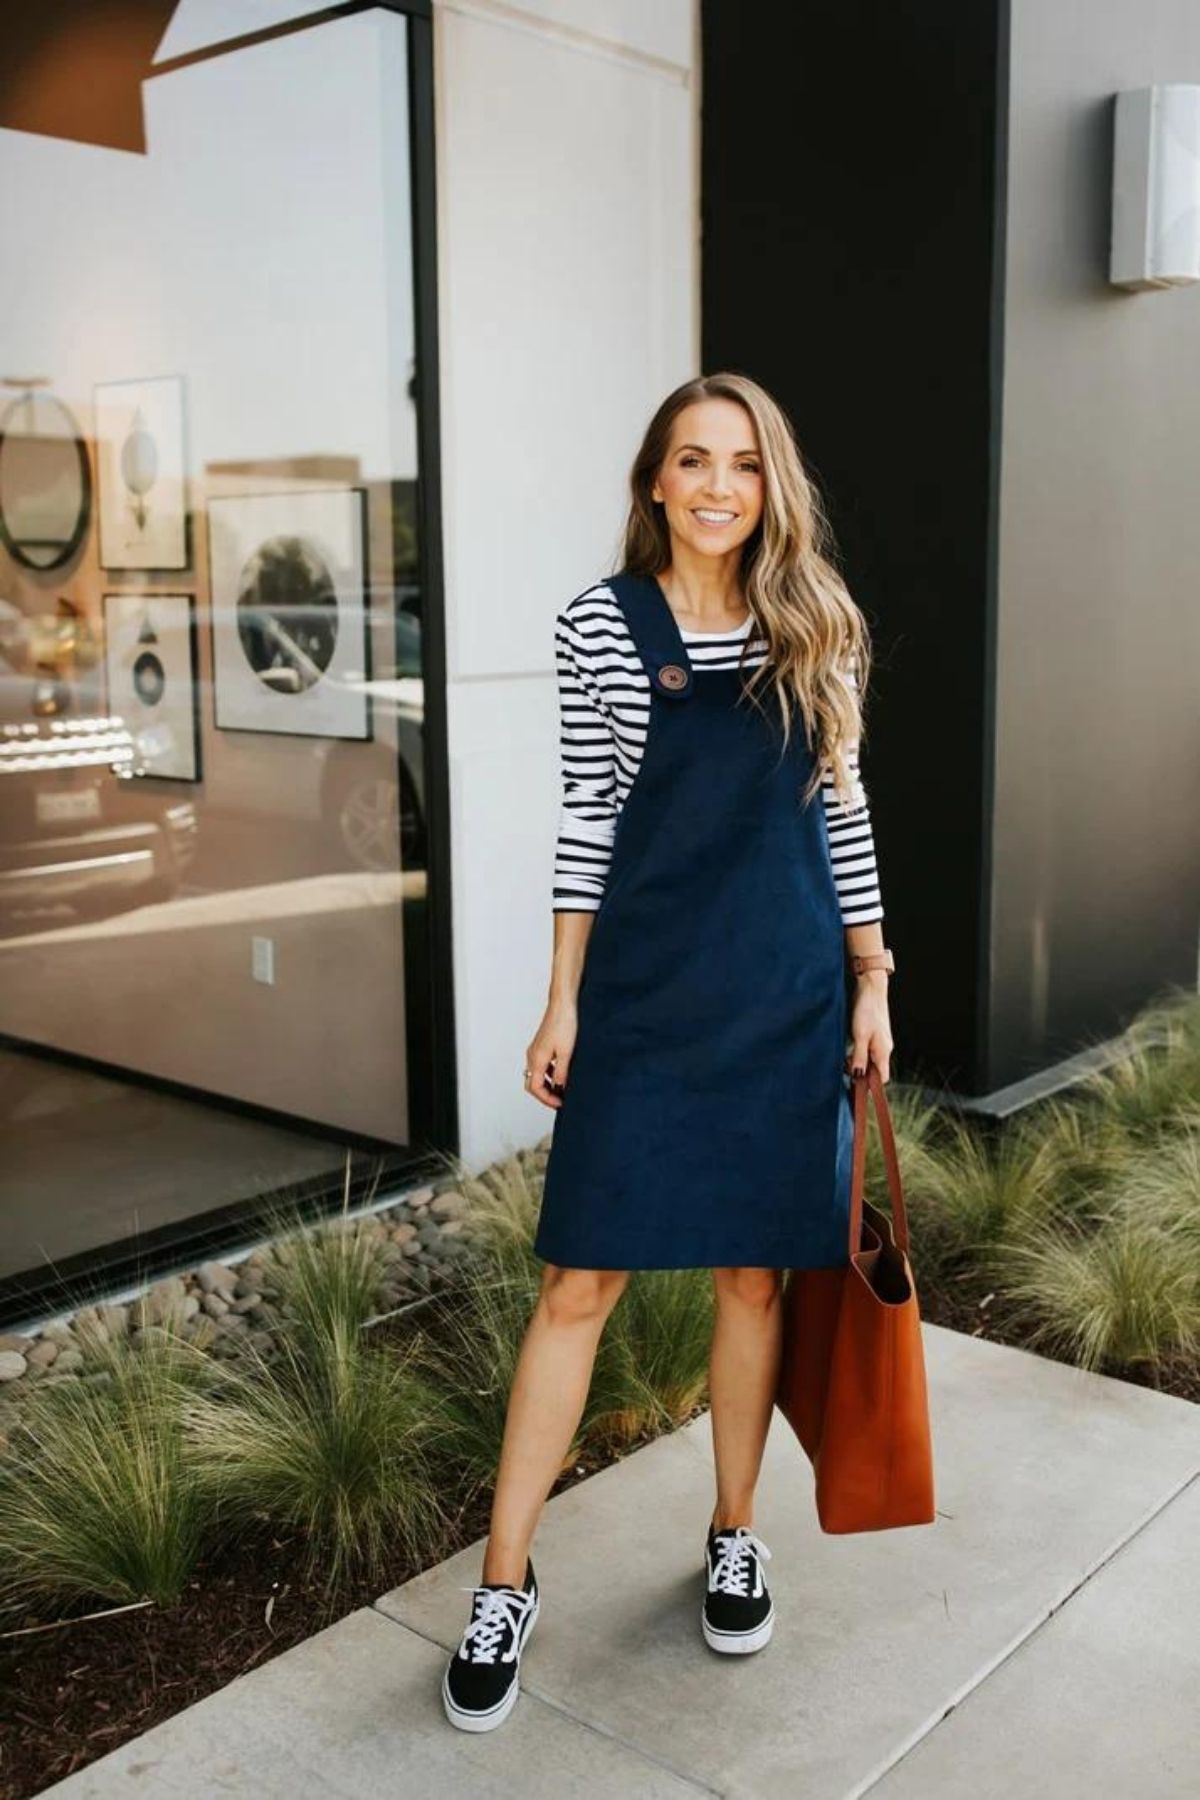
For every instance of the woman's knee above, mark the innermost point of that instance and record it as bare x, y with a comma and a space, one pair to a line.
747, 1287
573, 1296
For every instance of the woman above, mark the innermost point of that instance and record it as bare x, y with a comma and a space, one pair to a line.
713, 874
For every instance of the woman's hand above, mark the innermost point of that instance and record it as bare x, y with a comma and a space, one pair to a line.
870, 1026
548, 1057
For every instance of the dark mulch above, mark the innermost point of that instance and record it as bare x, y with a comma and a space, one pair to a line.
72, 1694
69, 1695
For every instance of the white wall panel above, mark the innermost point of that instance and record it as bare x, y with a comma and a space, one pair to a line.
658, 29
567, 269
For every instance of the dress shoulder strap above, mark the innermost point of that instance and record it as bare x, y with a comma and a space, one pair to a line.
655, 632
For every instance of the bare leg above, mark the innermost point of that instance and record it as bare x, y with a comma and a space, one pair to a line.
550, 1385
743, 1370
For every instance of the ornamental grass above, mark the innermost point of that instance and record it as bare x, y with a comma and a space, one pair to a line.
326, 1276
330, 1440
1122, 1295
1083, 1215
651, 1370
100, 1493
1120, 1289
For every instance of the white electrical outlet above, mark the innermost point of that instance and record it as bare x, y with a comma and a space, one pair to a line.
262, 959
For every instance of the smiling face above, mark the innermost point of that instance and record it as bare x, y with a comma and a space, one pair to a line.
711, 481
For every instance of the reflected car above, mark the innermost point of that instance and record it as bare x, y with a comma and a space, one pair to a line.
72, 831
371, 791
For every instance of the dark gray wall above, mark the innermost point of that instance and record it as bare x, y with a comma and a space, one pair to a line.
1095, 826
847, 195
905, 236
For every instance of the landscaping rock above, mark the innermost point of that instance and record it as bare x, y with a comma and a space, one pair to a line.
162, 1304
150, 1334
100, 1324
214, 1277
417, 1245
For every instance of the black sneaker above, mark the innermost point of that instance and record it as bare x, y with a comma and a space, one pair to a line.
738, 1614
479, 1688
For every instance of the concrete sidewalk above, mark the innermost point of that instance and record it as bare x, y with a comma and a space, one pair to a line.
1039, 1640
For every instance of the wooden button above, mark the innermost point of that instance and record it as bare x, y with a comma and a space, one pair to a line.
672, 676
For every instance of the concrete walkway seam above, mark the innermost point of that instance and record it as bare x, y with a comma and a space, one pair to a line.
535, 1693
1023, 1637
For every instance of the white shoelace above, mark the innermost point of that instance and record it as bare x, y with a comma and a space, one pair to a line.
731, 1566
502, 1609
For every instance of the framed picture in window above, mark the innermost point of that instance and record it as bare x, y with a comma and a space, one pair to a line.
289, 612
141, 480
151, 673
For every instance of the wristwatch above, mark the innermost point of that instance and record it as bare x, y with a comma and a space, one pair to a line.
878, 959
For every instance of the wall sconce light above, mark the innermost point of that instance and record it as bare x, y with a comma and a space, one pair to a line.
1156, 187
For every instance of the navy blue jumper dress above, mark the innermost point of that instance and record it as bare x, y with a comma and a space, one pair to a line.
706, 1119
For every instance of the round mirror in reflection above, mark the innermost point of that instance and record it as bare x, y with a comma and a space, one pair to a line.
287, 614
45, 482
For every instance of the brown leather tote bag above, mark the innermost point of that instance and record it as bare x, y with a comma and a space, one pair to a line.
852, 1375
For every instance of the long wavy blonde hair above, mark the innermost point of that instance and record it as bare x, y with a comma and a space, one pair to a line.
815, 634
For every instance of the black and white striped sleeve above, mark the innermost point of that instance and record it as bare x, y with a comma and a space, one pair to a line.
852, 842
588, 816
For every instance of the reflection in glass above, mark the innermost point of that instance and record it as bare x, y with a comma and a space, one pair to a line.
223, 741
287, 614
45, 486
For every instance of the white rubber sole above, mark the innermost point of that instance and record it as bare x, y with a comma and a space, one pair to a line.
738, 1643
496, 1715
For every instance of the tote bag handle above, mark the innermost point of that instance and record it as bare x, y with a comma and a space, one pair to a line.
872, 1079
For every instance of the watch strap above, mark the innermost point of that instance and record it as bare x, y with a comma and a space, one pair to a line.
877, 959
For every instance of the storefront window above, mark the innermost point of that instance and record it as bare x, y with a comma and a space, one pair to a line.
213, 757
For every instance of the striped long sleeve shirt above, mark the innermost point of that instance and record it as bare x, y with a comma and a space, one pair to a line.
604, 710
